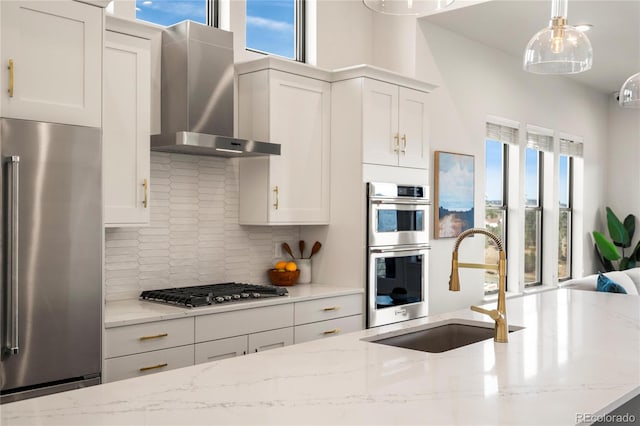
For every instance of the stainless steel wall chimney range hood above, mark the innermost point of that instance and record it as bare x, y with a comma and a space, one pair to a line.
197, 95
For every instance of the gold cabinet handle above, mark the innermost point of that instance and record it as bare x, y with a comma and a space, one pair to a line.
331, 308
277, 191
153, 367
396, 144
145, 185
334, 331
10, 78
404, 144
157, 336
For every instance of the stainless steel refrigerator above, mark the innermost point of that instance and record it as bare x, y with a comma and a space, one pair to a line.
51, 235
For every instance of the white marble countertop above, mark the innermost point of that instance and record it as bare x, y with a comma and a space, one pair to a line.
579, 354
128, 312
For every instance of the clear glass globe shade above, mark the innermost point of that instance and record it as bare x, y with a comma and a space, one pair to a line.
569, 53
406, 7
630, 92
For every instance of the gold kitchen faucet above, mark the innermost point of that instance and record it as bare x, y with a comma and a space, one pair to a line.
498, 315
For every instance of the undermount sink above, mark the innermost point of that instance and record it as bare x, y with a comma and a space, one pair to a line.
440, 336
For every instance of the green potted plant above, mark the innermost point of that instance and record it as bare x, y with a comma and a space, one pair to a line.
621, 234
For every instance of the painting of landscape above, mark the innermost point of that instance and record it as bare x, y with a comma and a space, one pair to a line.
453, 194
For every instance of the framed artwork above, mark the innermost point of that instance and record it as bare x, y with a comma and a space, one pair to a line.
454, 194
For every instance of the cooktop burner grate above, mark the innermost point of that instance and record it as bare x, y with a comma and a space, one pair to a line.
203, 295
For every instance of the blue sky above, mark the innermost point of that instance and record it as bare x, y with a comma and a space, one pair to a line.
493, 176
455, 181
270, 23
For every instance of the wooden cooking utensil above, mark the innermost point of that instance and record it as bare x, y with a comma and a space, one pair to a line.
315, 248
286, 248
301, 245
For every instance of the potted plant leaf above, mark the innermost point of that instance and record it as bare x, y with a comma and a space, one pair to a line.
621, 234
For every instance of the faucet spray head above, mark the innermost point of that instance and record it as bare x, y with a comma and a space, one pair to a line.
454, 280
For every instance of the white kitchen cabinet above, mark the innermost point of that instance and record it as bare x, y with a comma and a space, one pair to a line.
126, 129
51, 61
216, 350
395, 131
326, 317
272, 339
235, 333
294, 111
137, 365
141, 349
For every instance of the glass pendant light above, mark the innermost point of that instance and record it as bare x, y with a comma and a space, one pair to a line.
559, 48
406, 7
629, 95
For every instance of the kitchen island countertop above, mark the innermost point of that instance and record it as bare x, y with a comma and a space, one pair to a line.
579, 354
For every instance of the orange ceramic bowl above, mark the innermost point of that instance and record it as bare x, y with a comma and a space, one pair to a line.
283, 277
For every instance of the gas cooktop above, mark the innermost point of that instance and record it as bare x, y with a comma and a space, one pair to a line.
203, 295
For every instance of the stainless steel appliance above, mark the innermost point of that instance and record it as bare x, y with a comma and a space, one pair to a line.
198, 95
398, 252
50, 310
209, 294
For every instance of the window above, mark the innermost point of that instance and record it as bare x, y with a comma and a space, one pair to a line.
169, 12
276, 27
564, 219
568, 150
536, 144
272, 26
497, 143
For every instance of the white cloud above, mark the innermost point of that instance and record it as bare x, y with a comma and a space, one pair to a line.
269, 24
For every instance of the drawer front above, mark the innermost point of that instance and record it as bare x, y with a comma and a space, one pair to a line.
324, 329
221, 349
271, 339
328, 308
138, 365
246, 321
134, 339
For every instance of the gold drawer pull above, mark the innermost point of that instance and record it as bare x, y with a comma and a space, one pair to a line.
157, 336
145, 185
153, 367
276, 191
331, 308
10, 78
334, 331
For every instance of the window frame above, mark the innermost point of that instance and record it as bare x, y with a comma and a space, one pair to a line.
299, 33
504, 207
569, 211
539, 223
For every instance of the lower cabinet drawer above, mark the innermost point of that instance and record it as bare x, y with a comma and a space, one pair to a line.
328, 308
152, 336
272, 339
142, 364
324, 329
221, 349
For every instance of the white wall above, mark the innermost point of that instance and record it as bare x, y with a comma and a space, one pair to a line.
476, 81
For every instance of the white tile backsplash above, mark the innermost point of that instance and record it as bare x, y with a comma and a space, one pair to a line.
194, 237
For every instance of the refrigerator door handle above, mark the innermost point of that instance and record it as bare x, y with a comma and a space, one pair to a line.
12, 254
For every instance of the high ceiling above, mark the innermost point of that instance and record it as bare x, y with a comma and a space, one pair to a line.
509, 24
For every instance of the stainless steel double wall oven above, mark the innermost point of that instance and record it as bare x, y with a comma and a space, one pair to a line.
398, 252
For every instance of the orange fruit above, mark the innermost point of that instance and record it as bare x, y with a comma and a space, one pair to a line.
280, 265
291, 266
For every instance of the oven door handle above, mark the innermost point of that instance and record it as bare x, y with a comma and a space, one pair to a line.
399, 249
401, 201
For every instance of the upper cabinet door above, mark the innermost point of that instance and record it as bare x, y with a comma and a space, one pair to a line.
300, 114
125, 132
380, 124
413, 129
51, 66
294, 111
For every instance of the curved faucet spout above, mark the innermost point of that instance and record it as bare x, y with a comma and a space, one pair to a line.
500, 316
